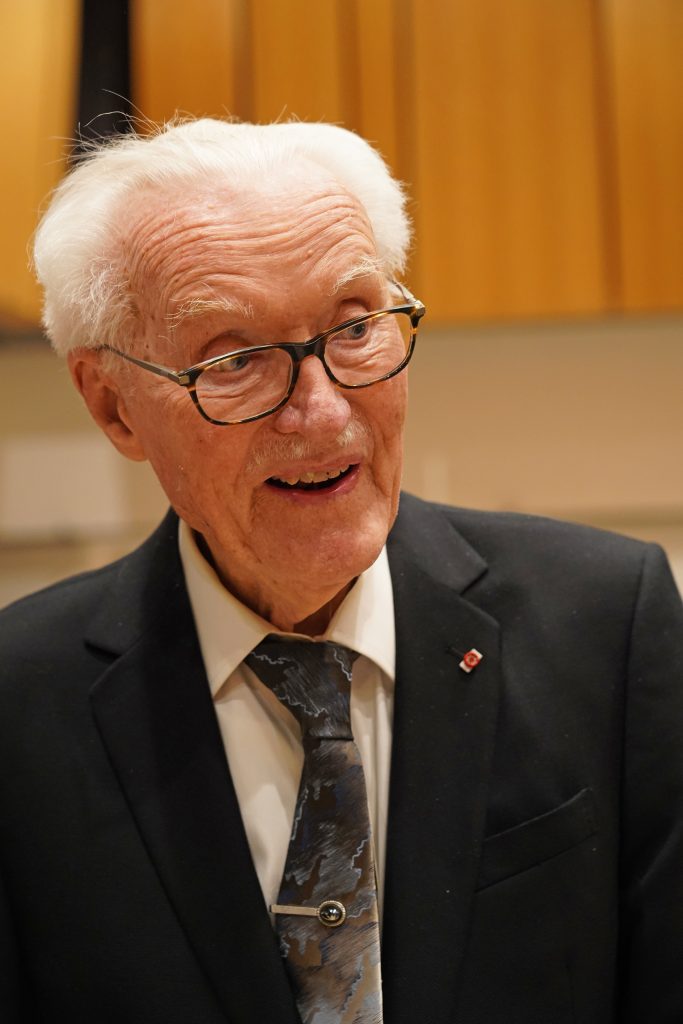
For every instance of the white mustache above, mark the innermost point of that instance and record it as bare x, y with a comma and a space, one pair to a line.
297, 449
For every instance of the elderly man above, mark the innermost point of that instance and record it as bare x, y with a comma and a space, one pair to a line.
306, 756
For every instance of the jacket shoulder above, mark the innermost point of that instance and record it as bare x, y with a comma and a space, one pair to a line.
55, 619
534, 548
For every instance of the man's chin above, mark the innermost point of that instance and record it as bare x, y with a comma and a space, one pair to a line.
338, 556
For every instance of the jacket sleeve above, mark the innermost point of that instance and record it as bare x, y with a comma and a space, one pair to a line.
651, 868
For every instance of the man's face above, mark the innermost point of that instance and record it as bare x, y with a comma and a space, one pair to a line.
282, 264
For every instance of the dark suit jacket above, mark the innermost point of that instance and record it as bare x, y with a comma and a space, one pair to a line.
535, 844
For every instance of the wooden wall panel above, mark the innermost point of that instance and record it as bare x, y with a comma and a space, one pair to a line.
508, 177
186, 57
39, 51
645, 46
297, 63
543, 140
376, 69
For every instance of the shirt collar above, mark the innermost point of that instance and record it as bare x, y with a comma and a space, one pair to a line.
228, 630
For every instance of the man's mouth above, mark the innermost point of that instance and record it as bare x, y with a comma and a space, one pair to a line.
313, 481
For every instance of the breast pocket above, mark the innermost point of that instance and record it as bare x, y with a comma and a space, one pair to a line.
538, 839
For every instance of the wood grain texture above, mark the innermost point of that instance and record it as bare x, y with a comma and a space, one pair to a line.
185, 56
507, 189
645, 54
297, 63
542, 142
40, 41
378, 64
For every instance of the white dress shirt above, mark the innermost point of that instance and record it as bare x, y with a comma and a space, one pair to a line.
262, 738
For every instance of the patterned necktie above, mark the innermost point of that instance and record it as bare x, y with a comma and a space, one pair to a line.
326, 915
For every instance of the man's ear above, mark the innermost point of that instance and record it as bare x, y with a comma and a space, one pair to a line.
102, 394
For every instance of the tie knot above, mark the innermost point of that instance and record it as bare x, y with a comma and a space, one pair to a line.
312, 679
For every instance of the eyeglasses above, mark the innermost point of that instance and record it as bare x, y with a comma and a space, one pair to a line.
252, 382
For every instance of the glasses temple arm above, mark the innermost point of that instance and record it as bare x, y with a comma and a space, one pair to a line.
408, 296
163, 371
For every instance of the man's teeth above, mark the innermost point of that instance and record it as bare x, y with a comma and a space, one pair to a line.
313, 478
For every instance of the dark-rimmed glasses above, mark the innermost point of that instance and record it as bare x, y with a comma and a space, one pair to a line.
249, 383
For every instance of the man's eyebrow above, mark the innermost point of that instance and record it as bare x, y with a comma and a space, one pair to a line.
368, 267
193, 308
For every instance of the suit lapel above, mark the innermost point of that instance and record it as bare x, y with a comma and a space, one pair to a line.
444, 726
154, 712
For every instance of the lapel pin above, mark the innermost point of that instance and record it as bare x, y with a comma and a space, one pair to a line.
470, 660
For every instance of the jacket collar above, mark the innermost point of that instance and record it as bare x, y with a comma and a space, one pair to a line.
444, 727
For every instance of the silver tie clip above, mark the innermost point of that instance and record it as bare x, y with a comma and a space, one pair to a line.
331, 913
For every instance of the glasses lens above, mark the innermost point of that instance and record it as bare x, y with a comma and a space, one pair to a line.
246, 384
370, 348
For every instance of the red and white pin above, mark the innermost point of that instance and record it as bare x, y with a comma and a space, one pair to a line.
471, 659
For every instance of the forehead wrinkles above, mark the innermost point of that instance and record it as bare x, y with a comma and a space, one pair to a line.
161, 245
172, 250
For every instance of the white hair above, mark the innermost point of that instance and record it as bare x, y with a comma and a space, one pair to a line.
78, 251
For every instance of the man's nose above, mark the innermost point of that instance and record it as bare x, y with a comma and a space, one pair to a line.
316, 406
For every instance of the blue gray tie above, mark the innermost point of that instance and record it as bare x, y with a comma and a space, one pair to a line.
326, 914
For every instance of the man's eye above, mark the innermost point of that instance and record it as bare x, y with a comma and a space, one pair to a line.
232, 365
356, 332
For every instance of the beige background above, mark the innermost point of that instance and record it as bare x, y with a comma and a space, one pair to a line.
577, 420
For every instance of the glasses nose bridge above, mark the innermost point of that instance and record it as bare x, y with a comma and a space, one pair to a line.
300, 350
